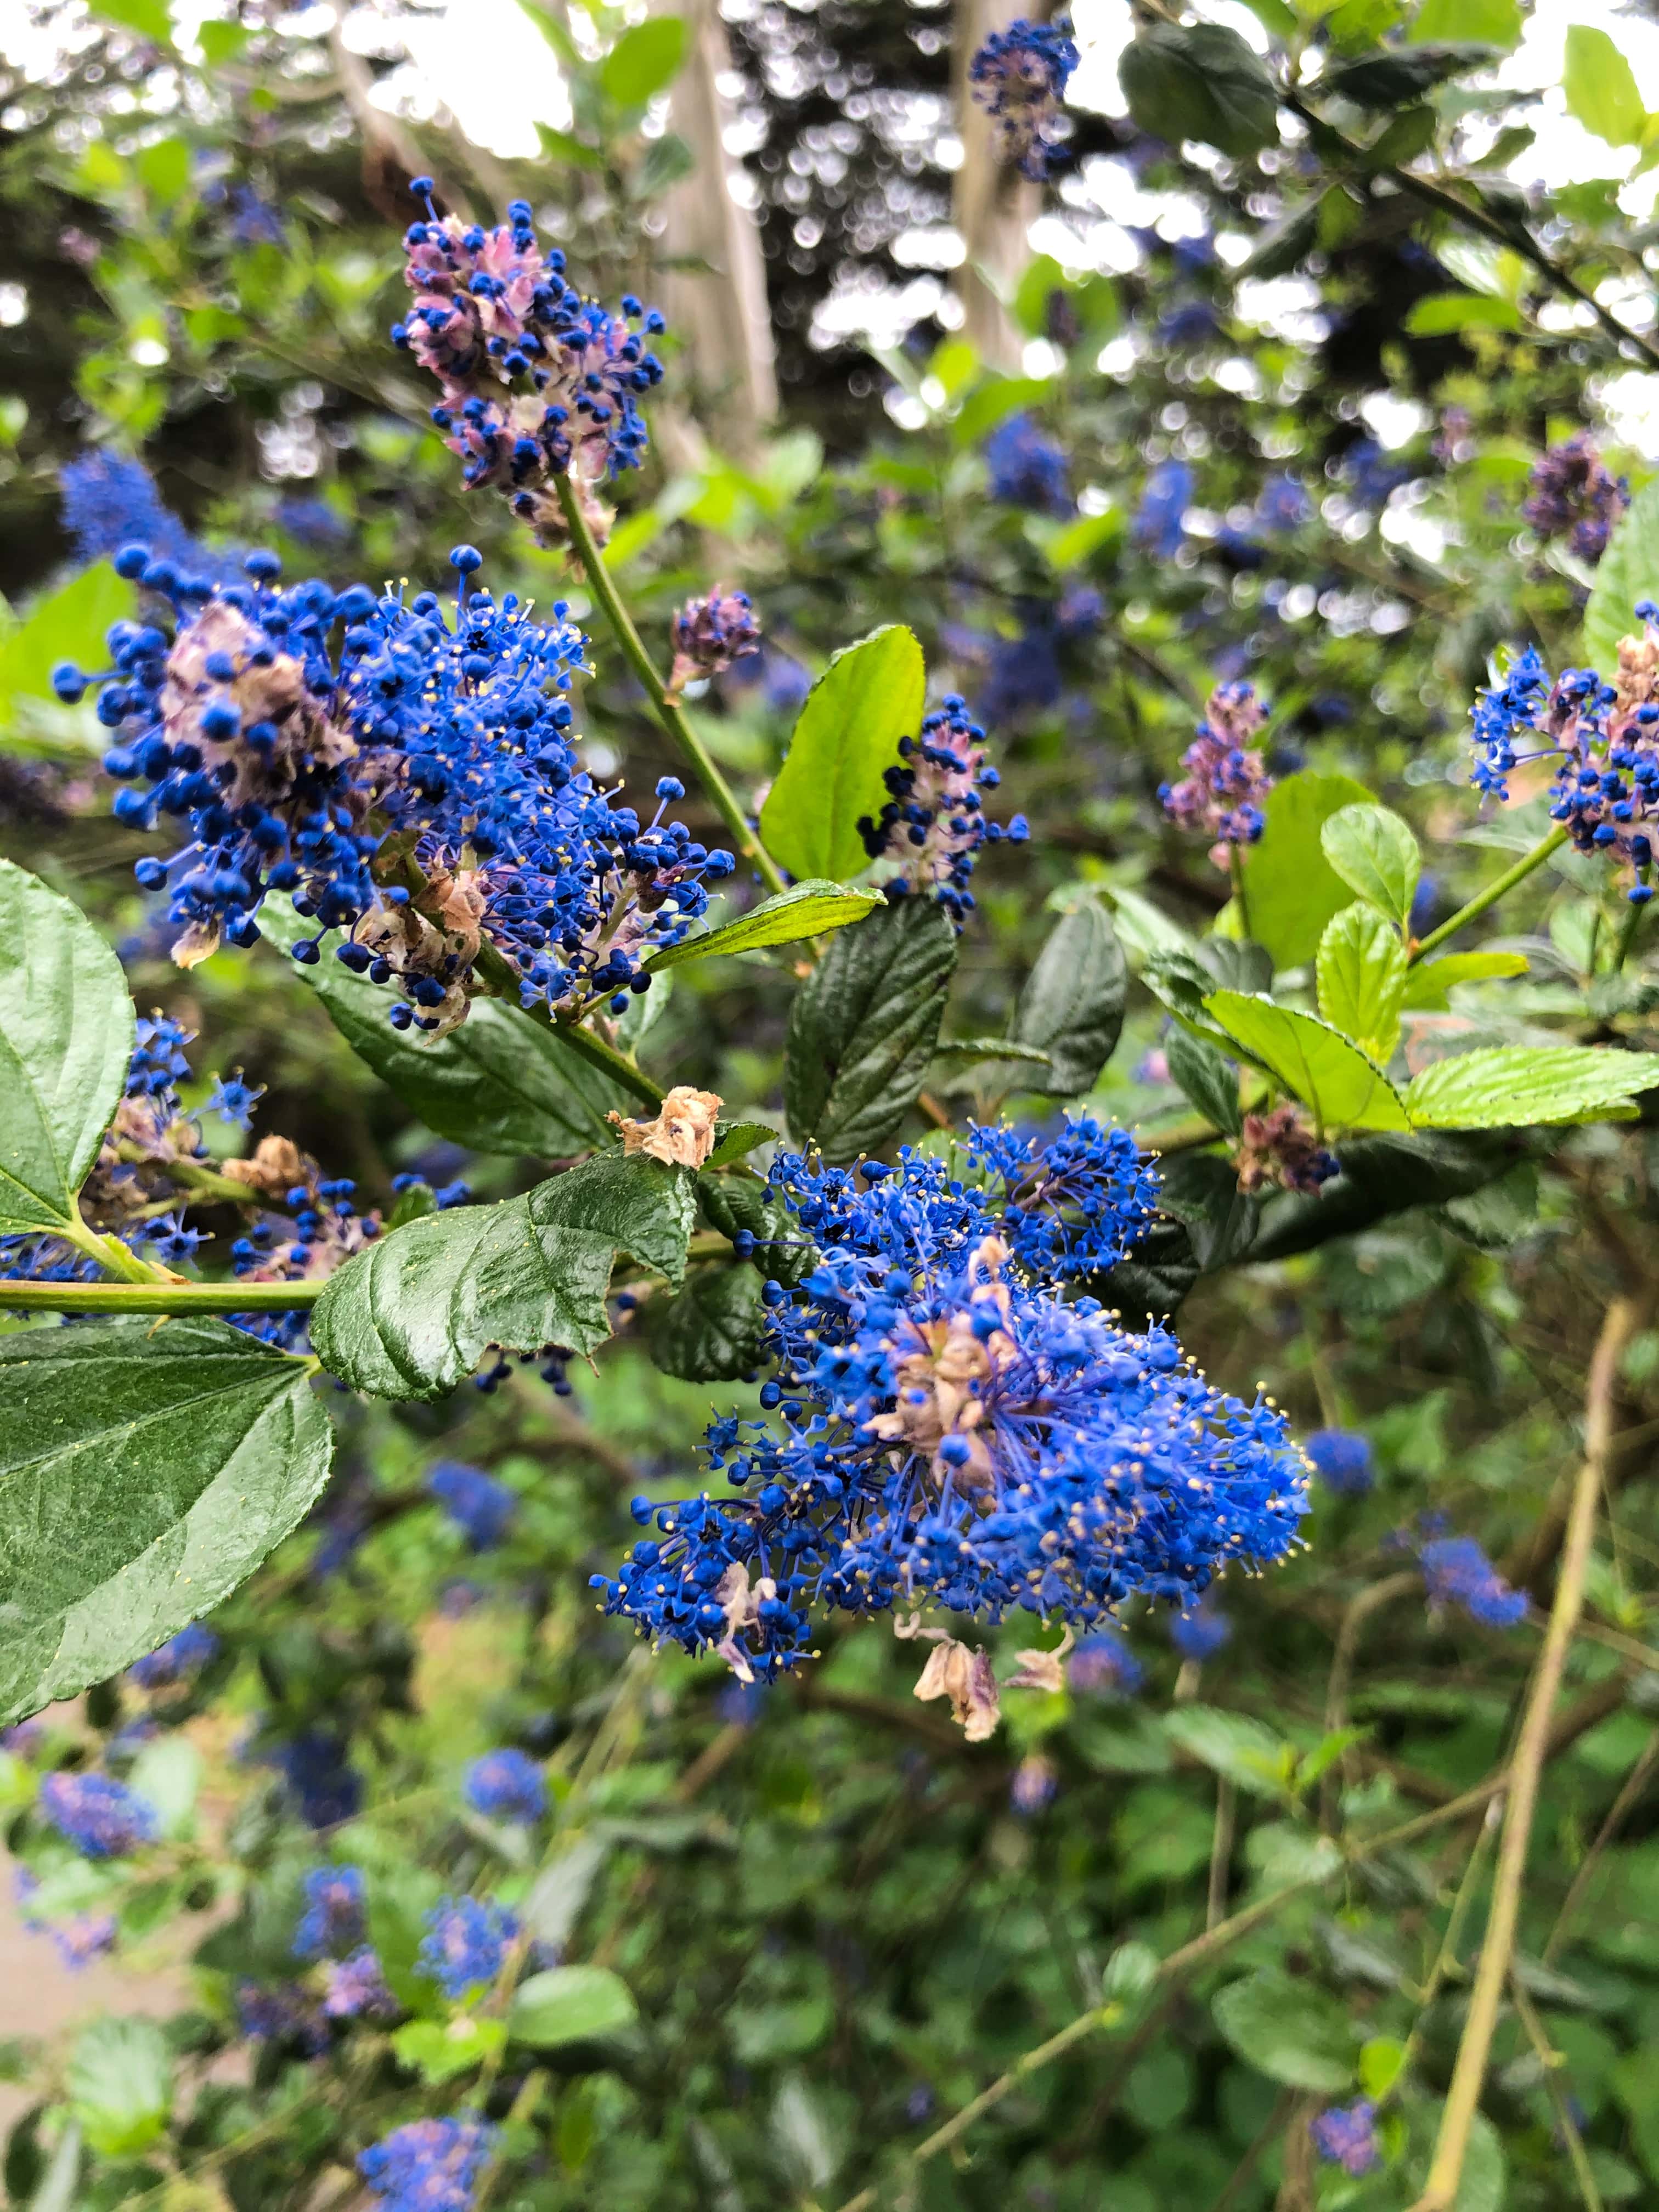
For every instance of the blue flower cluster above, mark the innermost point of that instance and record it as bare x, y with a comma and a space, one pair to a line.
1345, 2135
177, 1660
1341, 1460
1019, 77
332, 1921
323, 770
355, 1988
1457, 1572
465, 1941
934, 823
100, 1816
1160, 526
1200, 1634
506, 1785
709, 633
955, 1431
1102, 1665
430, 2165
1603, 736
1572, 494
537, 382
111, 500
481, 1507
1028, 469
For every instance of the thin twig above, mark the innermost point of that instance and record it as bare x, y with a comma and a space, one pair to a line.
1550, 2060
1239, 2181
1221, 1851
1532, 1746
1635, 1782
1357, 1612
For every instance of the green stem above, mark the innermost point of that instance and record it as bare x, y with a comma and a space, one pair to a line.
1235, 861
1494, 891
680, 732
494, 971
153, 1297
1627, 935
109, 1253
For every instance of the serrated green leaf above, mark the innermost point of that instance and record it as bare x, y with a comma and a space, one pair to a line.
1072, 1005
812, 909
570, 2004
502, 1082
67, 625
710, 1330
1289, 2030
1601, 86
1525, 1086
146, 1469
1627, 573
1291, 890
411, 1316
1429, 981
1362, 979
66, 1032
644, 61
1206, 1076
119, 2080
863, 1026
1333, 1078
845, 739
733, 1139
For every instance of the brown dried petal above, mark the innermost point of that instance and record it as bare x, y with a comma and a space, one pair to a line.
683, 1134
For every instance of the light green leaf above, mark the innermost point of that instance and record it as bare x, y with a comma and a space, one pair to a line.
1523, 1086
168, 1774
146, 1468
440, 2050
1485, 2183
1146, 930
1440, 313
1482, 22
570, 2004
1072, 1005
1601, 86
1331, 1076
733, 1139
59, 2189
1428, 982
1375, 855
68, 624
502, 1082
1289, 2029
411, 1316
1628, 572
1380, 2062
1244, 1750
845, 739
149, 18
66, 1033
1291, 888
644, 61
1362, 979
119, 2080
812, 909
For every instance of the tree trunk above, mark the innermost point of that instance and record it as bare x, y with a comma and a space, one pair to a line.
993, 206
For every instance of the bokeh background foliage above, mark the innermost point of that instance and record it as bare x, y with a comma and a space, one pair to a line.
1253, 388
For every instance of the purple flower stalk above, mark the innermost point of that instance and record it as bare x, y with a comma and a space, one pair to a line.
356, 1988
1457, 1572
1345, 2135
1225, 784
100, 1816
333, 1918
1035, 1780
1279, 1150
1019, 77
1572, 494
430, 2165
710, 634
934, 823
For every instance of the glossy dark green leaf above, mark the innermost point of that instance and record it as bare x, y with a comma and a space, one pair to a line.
412, 1316
1199, 81
1380, 1176
1071, 1006
1201, 1190
1150, 1283
65, 1040
734, 1140
1208, 1078
145, 1469
731, 1203
710, 1330
502, 1082
1402, 75
863, 1026
812, 909
846, 737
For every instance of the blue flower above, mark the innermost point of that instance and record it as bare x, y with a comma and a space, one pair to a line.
1034, 1782
1345, 2135
1028, 469
1341, 1460
1371, 475
1159, 527
110, 500
100, 1816
1226, 784
430, 2165
1200, 1634
315, 1765
1457, 1572
356, 1988
281, 2015
181, 1655
1283, 505
480, 1508
934, 823
1104, 1664
465, 1942
1191, 324
1019, 77
333, 1918
506, 1785
312, 522
233, 1100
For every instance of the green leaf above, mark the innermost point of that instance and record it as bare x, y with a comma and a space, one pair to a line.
1206, 1076
1291, 888
1375, 855
1150, 1285
1404, 74
845, 738
1331, 1076
411, 1316
863, 1026
1441, 312
1523, 1086
60, 2185
223, 43
1380, 1176
1200, 1191
1401, 139
1484, 2185
808, 909
561, 145
733, 1139
1289, 2029
146, 1468
1071, 1006
1627, 572
665, 161
734, 1202
1428, 982
149, 18
68, 624
570, 2004
502, 1082
439, 2051
1485, 22
119, 2080
66, 1032
1199, 81
1246, 1751
1601, 86
710, 1331
1362, 980
168, 1774
993, 401
644, 61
